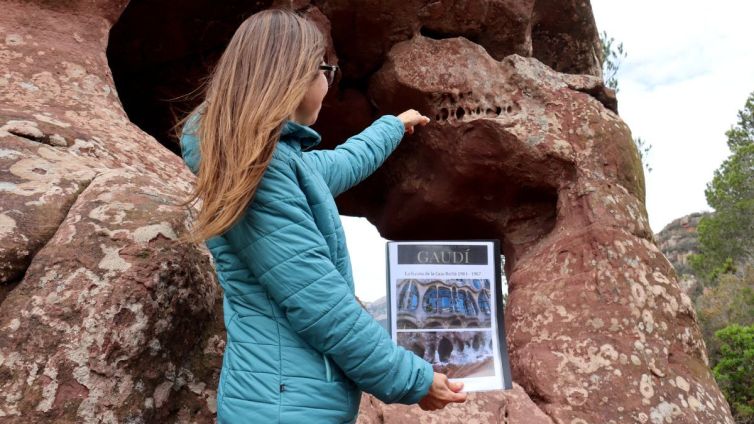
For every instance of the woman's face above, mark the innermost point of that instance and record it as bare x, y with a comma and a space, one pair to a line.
308, 109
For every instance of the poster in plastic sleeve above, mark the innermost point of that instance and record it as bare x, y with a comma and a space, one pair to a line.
445, 304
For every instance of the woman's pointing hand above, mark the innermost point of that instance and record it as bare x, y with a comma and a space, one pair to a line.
411, 118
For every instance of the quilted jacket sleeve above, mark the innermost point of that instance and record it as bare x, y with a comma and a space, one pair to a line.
278, 241
357, 158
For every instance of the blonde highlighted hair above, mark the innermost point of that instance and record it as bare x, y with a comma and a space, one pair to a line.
257, 84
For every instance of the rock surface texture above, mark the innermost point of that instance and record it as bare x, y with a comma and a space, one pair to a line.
105, 318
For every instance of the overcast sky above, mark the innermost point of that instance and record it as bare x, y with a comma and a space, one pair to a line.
690, 68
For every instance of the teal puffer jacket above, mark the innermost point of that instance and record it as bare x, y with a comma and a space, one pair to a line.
300, 348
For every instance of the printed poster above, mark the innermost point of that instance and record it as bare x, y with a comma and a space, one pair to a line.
445, 304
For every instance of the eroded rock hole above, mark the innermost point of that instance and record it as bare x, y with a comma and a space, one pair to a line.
27, 135
464, 106
444, 114
436, 35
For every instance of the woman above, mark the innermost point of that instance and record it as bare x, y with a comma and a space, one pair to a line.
299, 347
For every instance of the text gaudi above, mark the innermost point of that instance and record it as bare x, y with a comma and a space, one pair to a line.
442, 257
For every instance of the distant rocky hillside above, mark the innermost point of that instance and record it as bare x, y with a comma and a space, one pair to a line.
378, 309
678, 240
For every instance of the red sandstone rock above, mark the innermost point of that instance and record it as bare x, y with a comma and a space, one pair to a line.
522, 153
562, 34
565, 37
104, 317
500, 407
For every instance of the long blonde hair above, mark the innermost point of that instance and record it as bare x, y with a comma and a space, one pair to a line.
257, 84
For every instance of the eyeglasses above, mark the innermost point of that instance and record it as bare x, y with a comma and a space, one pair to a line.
329, 72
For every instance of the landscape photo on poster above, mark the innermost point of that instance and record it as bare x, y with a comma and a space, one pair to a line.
443, 303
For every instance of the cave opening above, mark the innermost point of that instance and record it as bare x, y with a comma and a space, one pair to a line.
160, 52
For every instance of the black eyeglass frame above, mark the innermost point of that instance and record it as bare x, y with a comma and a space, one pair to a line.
329, 72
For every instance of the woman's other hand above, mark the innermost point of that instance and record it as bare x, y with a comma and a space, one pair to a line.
410, 118
441, 393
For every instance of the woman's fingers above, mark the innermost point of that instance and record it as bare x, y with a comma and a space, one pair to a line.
411, 118
442, 392
458, 397
419, 119
453, 393
440, 403
451, 396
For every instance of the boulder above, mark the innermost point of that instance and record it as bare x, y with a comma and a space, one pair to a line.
104, 317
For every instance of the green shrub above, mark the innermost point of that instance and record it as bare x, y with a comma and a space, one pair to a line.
735, 371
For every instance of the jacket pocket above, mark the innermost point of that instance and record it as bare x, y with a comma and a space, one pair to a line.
328, 370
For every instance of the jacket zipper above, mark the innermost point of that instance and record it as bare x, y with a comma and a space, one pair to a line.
328, 372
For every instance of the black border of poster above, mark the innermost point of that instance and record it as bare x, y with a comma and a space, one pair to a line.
501, 342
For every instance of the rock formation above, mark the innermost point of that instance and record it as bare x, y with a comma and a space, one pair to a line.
677, 241
103, 317
536, 158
